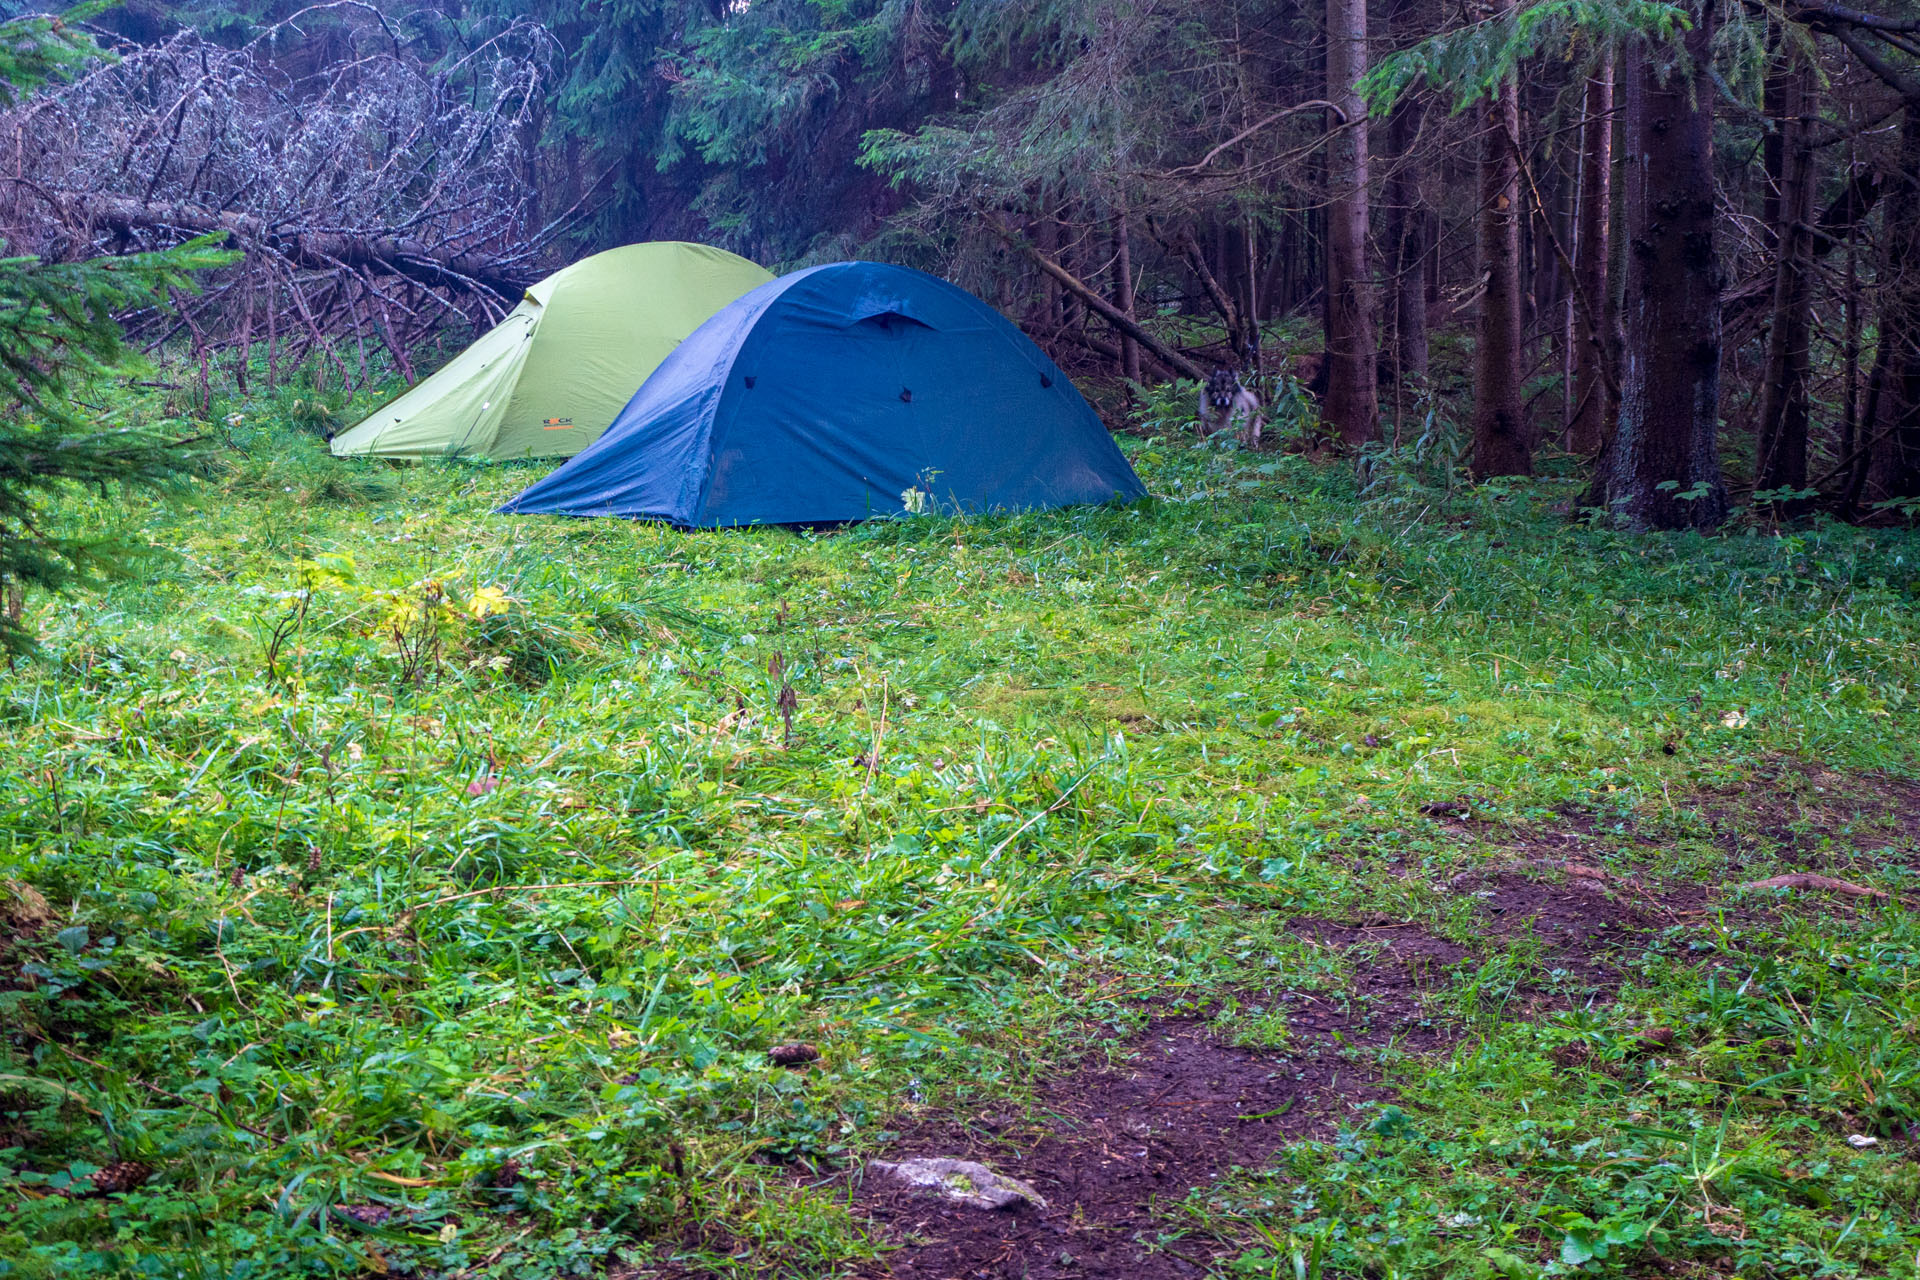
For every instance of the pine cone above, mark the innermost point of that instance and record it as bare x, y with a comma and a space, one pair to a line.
508, 1174
793, 1055
121, 1175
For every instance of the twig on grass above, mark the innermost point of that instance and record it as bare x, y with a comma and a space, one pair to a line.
1808, 880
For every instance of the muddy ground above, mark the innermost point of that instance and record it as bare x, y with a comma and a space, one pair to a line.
1113, 1143
1109, 1147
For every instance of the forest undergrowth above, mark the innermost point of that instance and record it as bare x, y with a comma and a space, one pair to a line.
393, 887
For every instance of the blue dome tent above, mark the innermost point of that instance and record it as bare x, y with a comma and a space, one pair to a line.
836, 394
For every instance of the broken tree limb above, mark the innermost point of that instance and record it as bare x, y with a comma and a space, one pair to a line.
1094, 300
376, 254
1808, 880
1186, 248
1316, 104
1099, 347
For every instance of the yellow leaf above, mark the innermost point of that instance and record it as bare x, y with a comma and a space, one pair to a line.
488, 600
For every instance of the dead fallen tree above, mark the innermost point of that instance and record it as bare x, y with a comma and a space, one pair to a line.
1093, 299
377, 174
458, 269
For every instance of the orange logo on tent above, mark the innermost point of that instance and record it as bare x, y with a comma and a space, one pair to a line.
559, 424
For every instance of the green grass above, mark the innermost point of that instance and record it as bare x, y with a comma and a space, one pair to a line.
435, 885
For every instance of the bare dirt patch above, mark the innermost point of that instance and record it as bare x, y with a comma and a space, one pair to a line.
1114, 1141
1386, 998
1793, 813
1584, 921
1110, 1144
1110, 1147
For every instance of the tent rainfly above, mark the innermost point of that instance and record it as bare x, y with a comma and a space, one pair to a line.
546, 381
838, 393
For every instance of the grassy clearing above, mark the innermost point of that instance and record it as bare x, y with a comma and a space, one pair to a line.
378, 853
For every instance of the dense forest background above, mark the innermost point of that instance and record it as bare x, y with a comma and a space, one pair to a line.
1675, 243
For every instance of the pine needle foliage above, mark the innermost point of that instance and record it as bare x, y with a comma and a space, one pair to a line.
37, 50
58, 333
1475, 60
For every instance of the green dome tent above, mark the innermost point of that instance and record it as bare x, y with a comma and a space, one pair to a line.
546, 381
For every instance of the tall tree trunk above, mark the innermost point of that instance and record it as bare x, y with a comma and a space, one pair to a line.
1046, 238
1408, 257
1249, 299
1406, 236
1850, 355
1613, 321
1502, 436
1662, 468
1073, 256
1352, 406
1783, 403
1893, 461
1123, 294
1543, 285
1592, 401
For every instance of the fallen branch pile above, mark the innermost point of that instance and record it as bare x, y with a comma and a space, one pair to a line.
376, 171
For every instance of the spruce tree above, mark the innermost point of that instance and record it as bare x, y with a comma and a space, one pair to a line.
58, 333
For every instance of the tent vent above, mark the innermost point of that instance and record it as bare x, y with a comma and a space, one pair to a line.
906, 394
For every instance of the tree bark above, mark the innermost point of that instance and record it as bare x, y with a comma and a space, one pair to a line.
1046, 238
1123, 294
1893, 457
1352, 405
1593, 402
1502, 436
1662, 468
1406, 228
1783, 403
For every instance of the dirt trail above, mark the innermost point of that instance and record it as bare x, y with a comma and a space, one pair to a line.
1185, 1110
1113, 1146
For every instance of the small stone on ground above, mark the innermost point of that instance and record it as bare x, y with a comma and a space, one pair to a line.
964, 1182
